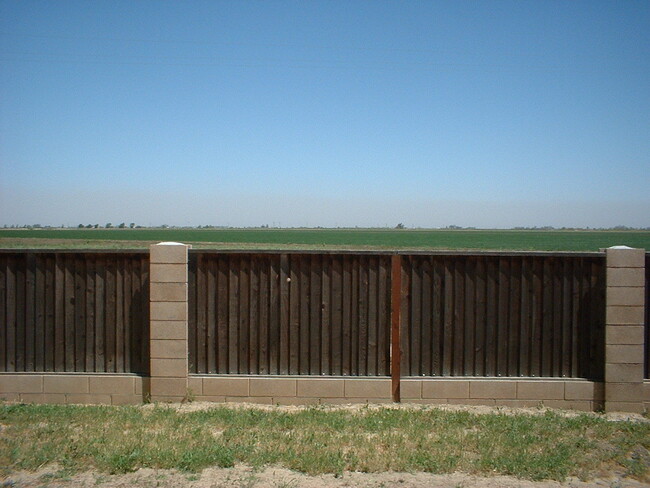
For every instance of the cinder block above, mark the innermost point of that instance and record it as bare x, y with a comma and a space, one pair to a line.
168, 253
19, 383
625, 277
210, 398
473, 401
9, 397
112, 384
368, 388
624, 334
632, 407
65, 384
493, 389
195, 385
168, 311
580, 390
142, 385
229, 387
272, 387
88, 399
168, 273
540, 390
58, 398
168, 329
261, 400
176, 387
520, 403
126, 399
625, 258
168, 292
625, 295
624, 373
168, 349
445, 389
410, 390
646, 391
624, 392
295, 401
617, 353
318, 388
624, 315
172, 368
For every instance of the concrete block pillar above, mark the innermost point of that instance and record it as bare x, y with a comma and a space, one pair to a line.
624, 329
168, 321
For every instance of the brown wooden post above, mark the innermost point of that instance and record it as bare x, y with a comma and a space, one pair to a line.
396, 319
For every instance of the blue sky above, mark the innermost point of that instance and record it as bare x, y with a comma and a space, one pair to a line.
331, 113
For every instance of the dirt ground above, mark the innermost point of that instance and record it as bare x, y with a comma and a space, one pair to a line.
272, 477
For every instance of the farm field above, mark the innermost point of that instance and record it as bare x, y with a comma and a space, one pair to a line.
380, 239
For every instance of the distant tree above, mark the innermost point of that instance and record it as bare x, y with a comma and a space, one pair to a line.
400, 226
109, 226
96, 226
122, 225
89, 226
132, 225
80, 226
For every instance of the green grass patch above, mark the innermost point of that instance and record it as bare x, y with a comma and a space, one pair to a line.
320, 440
329, 238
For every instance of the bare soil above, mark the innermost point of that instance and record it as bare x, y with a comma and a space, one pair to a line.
274, 477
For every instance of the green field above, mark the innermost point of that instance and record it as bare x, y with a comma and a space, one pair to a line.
327, 239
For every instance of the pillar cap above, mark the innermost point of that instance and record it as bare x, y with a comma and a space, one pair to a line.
620, 247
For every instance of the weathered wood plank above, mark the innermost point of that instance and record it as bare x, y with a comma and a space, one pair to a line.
294, 315
396, 325
284, 278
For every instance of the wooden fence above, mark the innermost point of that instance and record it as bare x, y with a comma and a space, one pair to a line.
503, 315
487, 314
74, 311
314, 313
310, 314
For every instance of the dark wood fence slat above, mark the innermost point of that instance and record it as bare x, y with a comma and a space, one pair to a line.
285, 325
294, 315
314, 313
244, 306
337, 299
253, 314
413, 345
274, 316
326, 311
426, 327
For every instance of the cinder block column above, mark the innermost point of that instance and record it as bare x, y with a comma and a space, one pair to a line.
624, 334
168, 321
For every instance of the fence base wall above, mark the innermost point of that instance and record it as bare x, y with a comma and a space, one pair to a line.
74, 388
289, 390
130, 389
572, 394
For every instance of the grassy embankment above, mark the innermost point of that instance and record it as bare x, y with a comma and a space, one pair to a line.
326, 239
321, 440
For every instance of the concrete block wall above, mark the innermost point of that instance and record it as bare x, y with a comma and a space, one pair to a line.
100, 388
289, 390
507, 392
624, 330
168, 321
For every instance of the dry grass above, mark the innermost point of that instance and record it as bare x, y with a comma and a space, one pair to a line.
320, 440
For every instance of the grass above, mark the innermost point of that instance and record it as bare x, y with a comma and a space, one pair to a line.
321, 440
328, 238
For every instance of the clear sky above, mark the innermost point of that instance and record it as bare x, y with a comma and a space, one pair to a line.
330, 113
